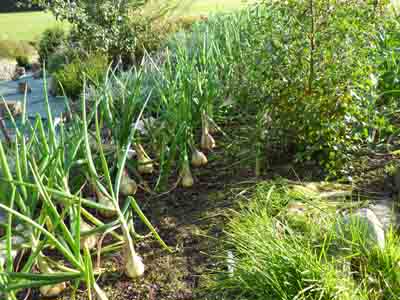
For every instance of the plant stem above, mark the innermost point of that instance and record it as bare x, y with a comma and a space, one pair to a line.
312, 49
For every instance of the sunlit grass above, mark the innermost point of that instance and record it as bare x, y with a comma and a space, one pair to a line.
204, 7
24, 26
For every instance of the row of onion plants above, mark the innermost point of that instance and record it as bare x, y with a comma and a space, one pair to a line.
64, 188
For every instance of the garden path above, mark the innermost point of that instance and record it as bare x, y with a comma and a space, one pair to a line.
36, 104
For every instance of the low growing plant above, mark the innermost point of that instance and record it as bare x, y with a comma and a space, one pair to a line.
71, 76
50, 41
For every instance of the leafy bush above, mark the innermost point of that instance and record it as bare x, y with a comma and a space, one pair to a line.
147, 37
22, 61
320, 95
63, 55
151, 35
185, 22
56, 61
389, 59
71, 76
306, 71
118, 29
50, 41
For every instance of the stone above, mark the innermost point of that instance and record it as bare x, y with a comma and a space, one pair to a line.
230, 263
7, 69
24, 86
296, 207
3, 253
367, 225
19, 72
13, 105
36, 67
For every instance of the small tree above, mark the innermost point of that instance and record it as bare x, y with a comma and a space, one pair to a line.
101, 25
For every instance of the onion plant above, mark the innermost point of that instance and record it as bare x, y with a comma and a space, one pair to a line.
46, 190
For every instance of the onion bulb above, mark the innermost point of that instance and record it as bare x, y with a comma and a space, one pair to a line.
49, 290
134, 266
145, 163
128, 185
107, 202
186, 176
89, 241
198, 158
207, 141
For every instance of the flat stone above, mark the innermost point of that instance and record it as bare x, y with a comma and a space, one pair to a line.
7, 69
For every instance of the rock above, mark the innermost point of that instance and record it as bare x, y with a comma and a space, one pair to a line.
13, 105
3, 253
36, 67
24, 86
230, 262
7, 69
19, 72
296, 207
365, 224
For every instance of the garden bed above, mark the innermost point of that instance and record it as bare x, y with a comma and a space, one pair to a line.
256, 159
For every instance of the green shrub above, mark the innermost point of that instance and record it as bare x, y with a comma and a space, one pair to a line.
62, 56
71, 76
307, 68
50, 41
151, 35
56, 61
22, 61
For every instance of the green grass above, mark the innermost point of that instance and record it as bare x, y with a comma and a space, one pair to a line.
278, 254
24, 26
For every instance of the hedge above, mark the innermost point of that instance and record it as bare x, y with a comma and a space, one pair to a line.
12, 6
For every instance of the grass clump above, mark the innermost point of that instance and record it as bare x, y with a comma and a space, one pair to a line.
274, 252
12, 49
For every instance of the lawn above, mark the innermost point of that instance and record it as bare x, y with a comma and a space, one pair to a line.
28, 26
203, 7
24, 26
